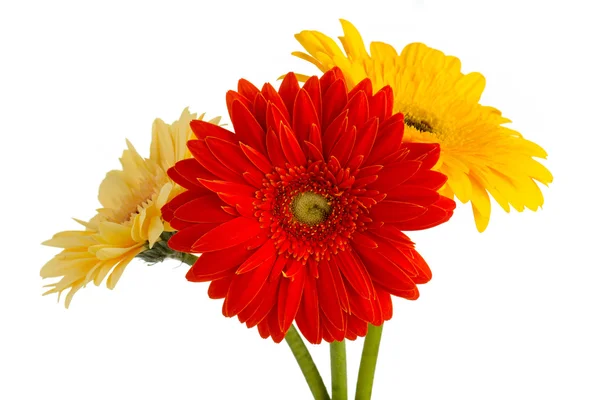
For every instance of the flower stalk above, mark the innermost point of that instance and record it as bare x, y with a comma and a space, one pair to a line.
306, 364
368, 362
339, 378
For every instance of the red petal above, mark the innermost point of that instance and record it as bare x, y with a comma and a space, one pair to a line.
364, 85
203, 129
247, 128
274, 150
389, 139
426, 178
445, 203
432, 217
273, 97
385, 301
205, 209
227, 235
257, 158
244, 205
288, 90
359, 306
210, 264
218, 289
314, 137
191, 169
245, 287
307, 317
231, 155
357, 326
179, 224
330, 298
293, 267
420, 264
427, 153
343, 148
290, 294
268, 296
354, 271
247, 89
358, 109
305, 115
387, 275
339, 283
393, 234
265, 254
232, 96
313, 153
365, 138
276, 333
334, 131
395, 174
330, 332
278, 267
364, 240
327, 80
263, 329
413, 194
313, 88
397, 255
334, 102
291, 147
396, 211
168, 211
260, 111
381, 104
185, 238
202, 153
230, 188
276, 117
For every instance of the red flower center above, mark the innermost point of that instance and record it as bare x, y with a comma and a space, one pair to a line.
310, 211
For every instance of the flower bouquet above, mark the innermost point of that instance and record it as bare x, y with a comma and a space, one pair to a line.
297, 214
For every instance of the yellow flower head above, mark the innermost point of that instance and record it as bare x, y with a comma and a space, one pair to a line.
441, 105
130, 219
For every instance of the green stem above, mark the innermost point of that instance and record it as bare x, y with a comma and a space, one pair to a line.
299, 349
339, 379
307, 365
189, 259
368, 361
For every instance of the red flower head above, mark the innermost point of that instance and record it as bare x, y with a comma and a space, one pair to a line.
299, 214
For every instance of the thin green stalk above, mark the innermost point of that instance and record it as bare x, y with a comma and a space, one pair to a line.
368, 361
307, 365
339, 378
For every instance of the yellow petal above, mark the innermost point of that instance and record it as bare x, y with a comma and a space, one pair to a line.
480, 203
352, 41
154, 230
115, 275
67, 239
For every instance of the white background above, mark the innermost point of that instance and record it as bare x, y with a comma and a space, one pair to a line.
510, 314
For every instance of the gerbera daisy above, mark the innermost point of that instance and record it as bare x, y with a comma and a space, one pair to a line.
441, 105
299, 214
129, 221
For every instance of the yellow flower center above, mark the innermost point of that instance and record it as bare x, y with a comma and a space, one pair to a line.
310, 208
419, 124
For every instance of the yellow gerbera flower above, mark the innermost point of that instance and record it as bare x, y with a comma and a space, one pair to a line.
441, 105
129, 221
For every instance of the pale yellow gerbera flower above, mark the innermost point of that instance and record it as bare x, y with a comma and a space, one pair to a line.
129, 221
441, 105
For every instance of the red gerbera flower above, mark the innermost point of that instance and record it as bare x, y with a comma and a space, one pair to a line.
299, 214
